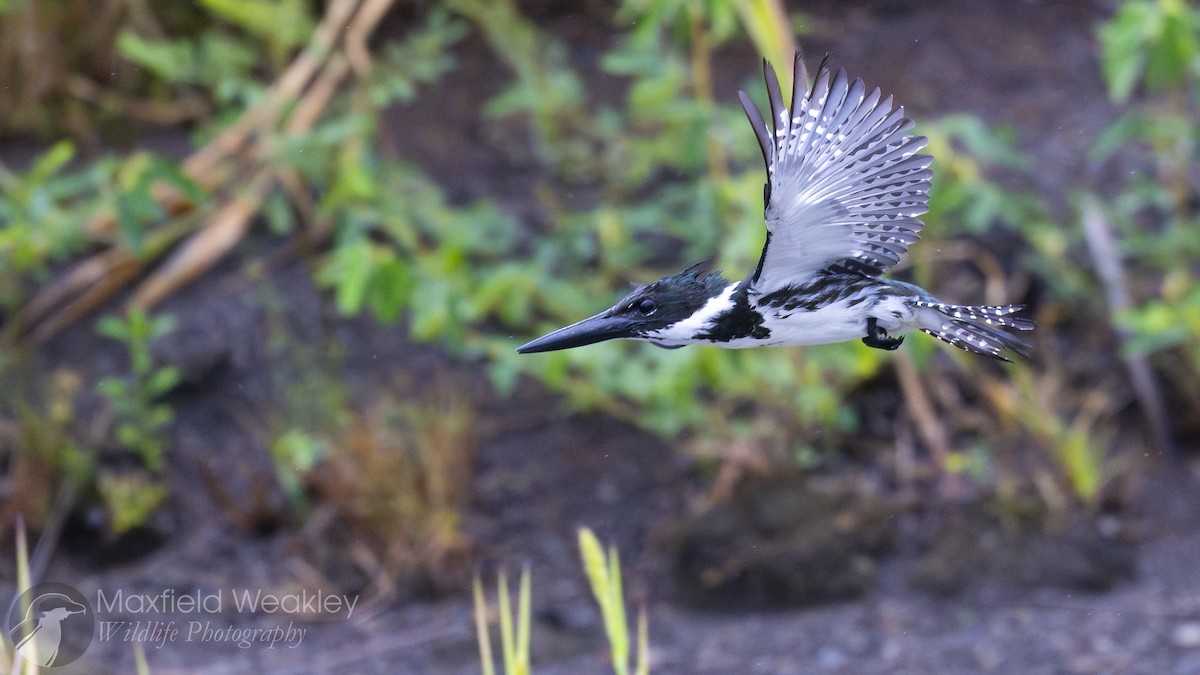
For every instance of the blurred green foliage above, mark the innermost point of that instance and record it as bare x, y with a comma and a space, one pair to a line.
130, 499
1153, 47
41, 210
1151, 42
630, 190
45, 212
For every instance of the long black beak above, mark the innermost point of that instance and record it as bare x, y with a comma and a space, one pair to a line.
596, 329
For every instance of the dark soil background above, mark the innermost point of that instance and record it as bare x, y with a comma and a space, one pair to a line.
816, 573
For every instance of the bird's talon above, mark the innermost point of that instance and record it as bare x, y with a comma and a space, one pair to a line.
878, 337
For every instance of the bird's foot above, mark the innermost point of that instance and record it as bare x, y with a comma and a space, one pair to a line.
878, 337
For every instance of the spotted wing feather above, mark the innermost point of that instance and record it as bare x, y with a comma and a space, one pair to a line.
846, 184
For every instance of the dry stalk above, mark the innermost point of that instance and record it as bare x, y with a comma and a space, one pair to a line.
203, 249
1104, 250
921, 408
359, 31
121, 269
165, 113
292, 105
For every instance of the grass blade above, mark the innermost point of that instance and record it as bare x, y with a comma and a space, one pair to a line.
481, 628
604, 576
643, 647
506, 628
524, 616
141, 667
24, 581
618, 627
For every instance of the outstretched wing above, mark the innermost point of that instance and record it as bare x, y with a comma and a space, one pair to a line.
845, 185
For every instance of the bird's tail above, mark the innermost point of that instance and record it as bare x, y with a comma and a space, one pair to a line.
975, 329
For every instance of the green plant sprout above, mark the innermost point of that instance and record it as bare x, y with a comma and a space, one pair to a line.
603, 572
514, 647
604, 576
140, 418
130, 499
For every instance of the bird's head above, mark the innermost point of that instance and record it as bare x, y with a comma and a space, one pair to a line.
54, 606
642, 314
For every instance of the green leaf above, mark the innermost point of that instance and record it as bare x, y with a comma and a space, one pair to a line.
133, 212
163, 380
50, 162
158, 417
130, 499
160, 325
129, 435
112, 327
278, 212
170, 172
1154, 40
172, 60
286, 21
113, 387
389, 289
1122, 58
298, 451
349, 271
1130, 126
1173, 55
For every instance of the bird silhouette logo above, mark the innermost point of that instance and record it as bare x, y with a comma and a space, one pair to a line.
51, 624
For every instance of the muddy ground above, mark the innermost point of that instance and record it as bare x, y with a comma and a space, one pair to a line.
815, 575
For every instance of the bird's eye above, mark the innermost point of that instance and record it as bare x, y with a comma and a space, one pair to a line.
646, 306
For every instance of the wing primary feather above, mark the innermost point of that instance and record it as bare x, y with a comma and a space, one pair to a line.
821, 88
822, 69
760, 126
799, 82
837, 93
774, 94
836, 110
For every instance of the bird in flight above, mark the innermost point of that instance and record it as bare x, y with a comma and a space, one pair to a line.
846, 186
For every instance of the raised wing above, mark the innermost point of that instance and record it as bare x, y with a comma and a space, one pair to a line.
845, 185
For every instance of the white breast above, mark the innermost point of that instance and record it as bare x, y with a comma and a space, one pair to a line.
837, 322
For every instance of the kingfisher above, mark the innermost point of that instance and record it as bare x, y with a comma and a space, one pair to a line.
846, 186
